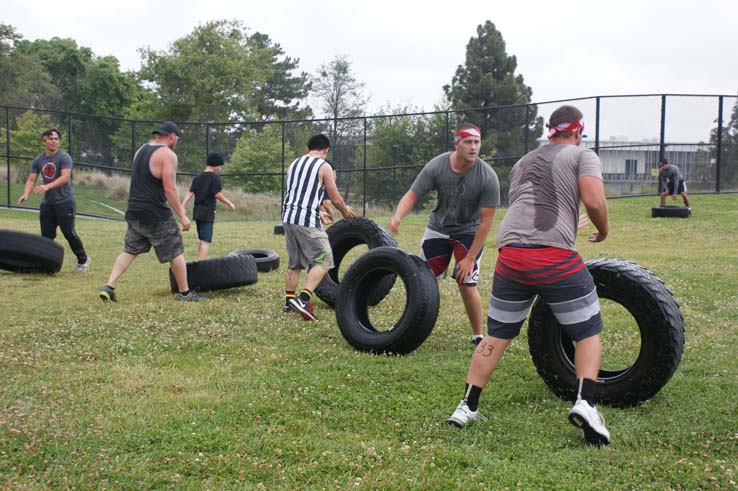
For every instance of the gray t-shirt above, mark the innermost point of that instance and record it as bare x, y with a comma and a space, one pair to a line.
671, 177
459, 195
49, 168
544, 196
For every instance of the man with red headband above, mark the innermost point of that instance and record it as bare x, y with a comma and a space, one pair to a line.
537, 257
468, 193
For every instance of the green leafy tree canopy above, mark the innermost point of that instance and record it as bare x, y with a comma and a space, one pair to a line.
487, 79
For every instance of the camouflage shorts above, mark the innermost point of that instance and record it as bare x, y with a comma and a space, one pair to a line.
164, 236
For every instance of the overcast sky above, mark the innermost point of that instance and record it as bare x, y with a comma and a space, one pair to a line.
405, 51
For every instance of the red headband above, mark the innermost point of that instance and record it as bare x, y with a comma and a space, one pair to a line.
465, 133
573, 126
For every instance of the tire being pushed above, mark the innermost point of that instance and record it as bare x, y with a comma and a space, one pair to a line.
344, 236
266, 260
28, 253
421, 306
659, 322
219, 273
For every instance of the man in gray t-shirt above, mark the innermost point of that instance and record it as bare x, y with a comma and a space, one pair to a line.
468, 193
537, 257
57, 207
672, 181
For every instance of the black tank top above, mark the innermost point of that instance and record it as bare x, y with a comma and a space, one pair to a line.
146, 199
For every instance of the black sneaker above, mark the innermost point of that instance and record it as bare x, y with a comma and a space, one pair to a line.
106, 293
287, 309
301, 307
191, 297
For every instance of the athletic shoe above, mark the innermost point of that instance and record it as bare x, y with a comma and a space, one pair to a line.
191, 297
82, 268
463, 415
301, 307
106, 293
588, 418
287, 309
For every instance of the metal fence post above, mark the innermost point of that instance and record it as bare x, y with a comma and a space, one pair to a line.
283, 176
445, 135
597, 126
207, 139
69, 134
133, 139
365, 173
527, 126
719, 149
7, 148
662, 138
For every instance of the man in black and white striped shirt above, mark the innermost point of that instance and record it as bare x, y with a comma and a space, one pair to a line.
307, 243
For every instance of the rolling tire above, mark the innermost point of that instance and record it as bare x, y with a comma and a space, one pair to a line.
421, 307
344, 236
659, 321
219, 273
670, 212
279, 229
28, 253
266, 260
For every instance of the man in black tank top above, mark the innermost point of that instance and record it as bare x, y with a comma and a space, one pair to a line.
151, 199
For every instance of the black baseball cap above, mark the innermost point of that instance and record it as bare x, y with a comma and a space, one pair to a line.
214, 160
167, 128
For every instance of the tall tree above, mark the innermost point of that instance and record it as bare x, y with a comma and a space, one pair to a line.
339, 94
487, 79
220, 72
24, 81
87, 84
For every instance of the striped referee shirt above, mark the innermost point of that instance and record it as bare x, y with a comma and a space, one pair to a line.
304, 192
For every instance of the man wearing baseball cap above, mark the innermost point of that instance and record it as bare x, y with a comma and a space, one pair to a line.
537, 257
468, 193
152, 198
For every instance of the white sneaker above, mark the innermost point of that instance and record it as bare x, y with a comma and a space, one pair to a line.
591, 422
463, 415
82, 268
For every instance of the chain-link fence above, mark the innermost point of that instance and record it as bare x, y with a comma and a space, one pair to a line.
377, 157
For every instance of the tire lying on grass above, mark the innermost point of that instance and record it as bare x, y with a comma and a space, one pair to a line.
421, 306
28, 253
219, 273
344, 236
670, 212
659, 322
266, 260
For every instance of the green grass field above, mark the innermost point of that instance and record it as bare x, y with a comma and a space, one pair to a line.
232, 394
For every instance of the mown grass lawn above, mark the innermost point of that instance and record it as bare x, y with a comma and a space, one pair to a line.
151, 393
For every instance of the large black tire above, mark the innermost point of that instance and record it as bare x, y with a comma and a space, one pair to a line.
421, 306
266, 260
659, 321
670, 212
219, 274
344, 236
28, 253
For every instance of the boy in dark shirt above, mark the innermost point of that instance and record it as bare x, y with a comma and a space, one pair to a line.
206, 187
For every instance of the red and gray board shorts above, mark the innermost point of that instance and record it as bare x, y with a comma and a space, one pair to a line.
437, 248
559, 276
